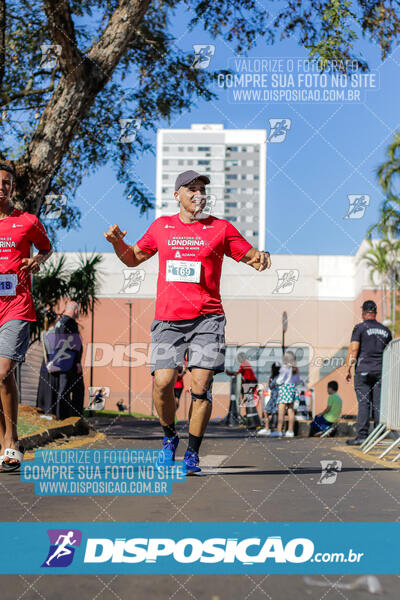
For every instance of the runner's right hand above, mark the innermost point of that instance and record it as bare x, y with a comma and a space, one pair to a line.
114, 234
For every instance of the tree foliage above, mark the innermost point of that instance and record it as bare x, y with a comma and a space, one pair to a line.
56, 281
121, 59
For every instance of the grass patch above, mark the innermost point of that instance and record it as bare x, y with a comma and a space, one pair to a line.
117, 413
29, 421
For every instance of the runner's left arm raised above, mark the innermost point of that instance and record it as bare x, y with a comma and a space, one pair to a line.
257, 259
131, 256
238, 248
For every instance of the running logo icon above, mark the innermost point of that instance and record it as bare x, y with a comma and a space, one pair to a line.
278, 130
357, 206
132, 280
129, 129
63, 543
330, 470
286, 281
53, 205
50, 54
202, 55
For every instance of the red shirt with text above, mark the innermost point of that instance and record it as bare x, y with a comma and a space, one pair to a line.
17, 232
190, 264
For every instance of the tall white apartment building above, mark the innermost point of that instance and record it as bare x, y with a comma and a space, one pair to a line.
234, 159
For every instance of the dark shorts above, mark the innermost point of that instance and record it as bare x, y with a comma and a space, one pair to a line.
14, 339
204, 338
178, 392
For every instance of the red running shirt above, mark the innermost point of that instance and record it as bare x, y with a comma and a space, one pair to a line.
17, 232
190, 264
247, 372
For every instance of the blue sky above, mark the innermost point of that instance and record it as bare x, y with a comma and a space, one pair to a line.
331, 150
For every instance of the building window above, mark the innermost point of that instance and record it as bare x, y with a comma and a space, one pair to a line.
257, 149
165, 162
232, 218
203, 162
181, 148
232, 148
165, 176
165, 148
189, 162
233, 204
164, 190
203, 148
244, 149
190, 148
233, 176
181, 162
256, 177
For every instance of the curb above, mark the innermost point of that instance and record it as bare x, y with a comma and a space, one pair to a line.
75, 426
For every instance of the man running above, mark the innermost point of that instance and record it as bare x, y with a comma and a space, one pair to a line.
189, 312
18, 230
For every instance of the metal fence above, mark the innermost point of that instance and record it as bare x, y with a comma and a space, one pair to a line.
389, 416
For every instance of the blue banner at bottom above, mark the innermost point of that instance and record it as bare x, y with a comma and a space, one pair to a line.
213, 548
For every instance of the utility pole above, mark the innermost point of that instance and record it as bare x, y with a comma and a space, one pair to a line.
129, 367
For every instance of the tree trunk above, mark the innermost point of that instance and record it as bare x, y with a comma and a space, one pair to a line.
70, 102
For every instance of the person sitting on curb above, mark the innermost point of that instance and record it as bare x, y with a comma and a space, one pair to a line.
330, 415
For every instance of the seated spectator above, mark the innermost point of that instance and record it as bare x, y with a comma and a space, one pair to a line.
121, 406
330, 414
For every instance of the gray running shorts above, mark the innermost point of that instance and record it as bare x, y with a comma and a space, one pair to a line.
203, 337
14, 339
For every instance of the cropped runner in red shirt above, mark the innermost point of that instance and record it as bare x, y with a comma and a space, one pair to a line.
247, 373
189, 313
18, 230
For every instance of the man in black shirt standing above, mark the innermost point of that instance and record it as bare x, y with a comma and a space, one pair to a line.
368, 341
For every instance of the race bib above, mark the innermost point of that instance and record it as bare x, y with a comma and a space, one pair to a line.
187, 271
8, 284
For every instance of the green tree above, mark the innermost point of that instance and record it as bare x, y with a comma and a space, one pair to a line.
377, 260
49, 286
84, 281
56, 281
119, 59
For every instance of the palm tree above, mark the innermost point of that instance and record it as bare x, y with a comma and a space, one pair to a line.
389, 169
389, 219
49, 286
376, 259
83, 286
84, 281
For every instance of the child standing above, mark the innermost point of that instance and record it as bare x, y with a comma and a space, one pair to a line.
287, 395
271, 407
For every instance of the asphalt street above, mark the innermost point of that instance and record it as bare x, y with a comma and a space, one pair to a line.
246, 479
